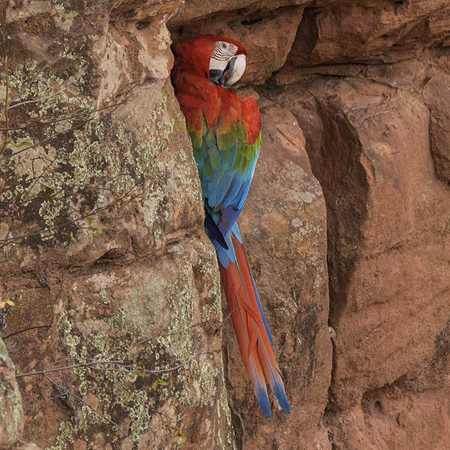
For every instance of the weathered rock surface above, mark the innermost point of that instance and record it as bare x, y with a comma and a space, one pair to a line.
369, 32
437, 98
369, 146
11, 412
103, 252
192, 11
22, 446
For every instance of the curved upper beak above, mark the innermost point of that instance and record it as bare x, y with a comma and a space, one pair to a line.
237, 68
233, 71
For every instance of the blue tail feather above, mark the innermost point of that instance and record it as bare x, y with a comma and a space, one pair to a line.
263, 398
281, 396
266, 325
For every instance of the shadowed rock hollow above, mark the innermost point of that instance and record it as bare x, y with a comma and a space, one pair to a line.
117, 338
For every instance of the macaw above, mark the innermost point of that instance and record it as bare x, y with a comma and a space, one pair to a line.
226, 138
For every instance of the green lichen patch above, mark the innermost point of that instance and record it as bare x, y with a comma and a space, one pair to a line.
68, 163
107, 370
131, 378
11, 410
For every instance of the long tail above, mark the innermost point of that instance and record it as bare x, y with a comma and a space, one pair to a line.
250, 325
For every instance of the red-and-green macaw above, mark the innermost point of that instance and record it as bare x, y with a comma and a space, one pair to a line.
226, 138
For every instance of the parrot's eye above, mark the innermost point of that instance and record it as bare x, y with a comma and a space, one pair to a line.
223, 48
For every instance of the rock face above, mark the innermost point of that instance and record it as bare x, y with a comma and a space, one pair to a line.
117, 332
369, 31
388, 261
11, 415
115, 285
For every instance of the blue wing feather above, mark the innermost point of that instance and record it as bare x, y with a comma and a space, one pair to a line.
225, 173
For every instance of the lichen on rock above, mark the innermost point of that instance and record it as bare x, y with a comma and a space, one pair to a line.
11, 411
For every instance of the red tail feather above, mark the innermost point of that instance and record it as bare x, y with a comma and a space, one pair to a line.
254, 343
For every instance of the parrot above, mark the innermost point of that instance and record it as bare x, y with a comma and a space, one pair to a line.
226, 138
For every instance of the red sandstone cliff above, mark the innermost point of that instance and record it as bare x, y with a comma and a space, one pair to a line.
117, 315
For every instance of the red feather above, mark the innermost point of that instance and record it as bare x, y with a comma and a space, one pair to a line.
254, 343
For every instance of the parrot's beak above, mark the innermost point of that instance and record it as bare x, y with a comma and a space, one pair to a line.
236, 66
233, 71
215, 75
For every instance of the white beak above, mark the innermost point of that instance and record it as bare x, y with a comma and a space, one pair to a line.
233, 68
237, 69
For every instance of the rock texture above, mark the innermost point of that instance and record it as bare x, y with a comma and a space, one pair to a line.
116, 331
369, 31
115, 285
22, 446
388, 261
11, 415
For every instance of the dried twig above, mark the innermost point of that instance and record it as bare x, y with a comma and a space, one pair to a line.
64, 398
75, 398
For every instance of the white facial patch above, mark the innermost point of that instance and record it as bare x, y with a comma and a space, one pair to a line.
222, 53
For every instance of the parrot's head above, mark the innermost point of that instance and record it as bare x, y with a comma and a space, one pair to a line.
220, 58
227, 62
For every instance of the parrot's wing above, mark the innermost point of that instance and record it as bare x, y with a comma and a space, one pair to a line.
226, 164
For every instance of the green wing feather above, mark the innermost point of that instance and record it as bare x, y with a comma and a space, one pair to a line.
226, 164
